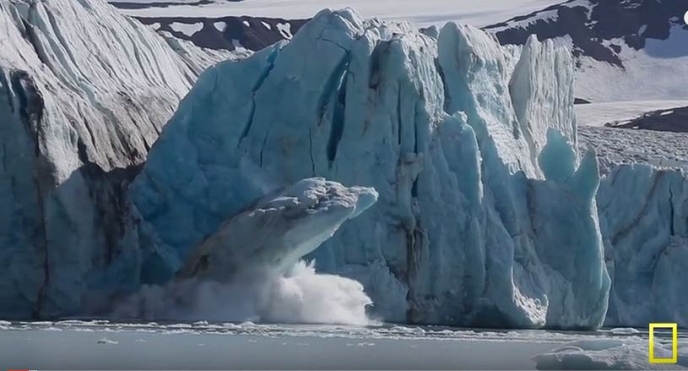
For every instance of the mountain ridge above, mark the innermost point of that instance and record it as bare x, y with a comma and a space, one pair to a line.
629, 50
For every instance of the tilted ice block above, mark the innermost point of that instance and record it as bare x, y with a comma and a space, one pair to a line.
273, 235
250, 269
530, 88
463, 232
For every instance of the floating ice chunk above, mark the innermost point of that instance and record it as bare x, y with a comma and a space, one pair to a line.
107, 341
624, 331
609, 354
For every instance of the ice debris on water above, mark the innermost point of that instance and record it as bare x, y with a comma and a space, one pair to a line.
107, 341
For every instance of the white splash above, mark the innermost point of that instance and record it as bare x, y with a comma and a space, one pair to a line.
299, 296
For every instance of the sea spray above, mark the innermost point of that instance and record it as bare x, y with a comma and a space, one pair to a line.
298, 296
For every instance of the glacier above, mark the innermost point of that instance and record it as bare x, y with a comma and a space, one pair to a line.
485, 204
84, 93
464, 146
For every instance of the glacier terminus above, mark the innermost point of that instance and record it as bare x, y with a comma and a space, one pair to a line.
432, 176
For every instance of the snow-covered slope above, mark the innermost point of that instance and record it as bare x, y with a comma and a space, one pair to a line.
630, 50
623, 113
625, 50
255, 24
485, 216
421, 13
84, 92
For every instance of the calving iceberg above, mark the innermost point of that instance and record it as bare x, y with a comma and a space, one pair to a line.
277, 232
250, 269
486, 215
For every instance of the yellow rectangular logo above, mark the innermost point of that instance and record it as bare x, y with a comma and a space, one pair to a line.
674, 343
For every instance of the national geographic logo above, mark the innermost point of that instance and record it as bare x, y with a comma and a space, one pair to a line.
674, 343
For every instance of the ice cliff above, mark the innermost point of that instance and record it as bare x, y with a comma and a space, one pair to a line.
485, 216
643, 211
84, 93
644, 218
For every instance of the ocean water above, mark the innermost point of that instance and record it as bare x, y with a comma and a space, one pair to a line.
100, 345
